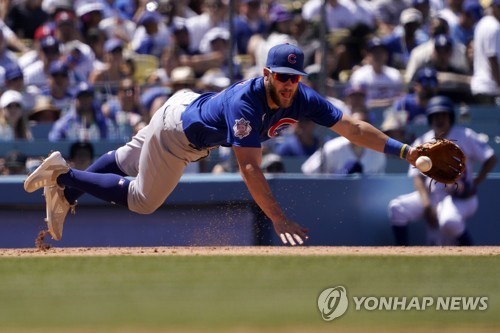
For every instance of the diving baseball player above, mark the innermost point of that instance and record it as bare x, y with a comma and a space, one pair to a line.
444, 208
188, 126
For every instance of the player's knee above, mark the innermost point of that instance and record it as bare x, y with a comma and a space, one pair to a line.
396, 214
452, 228
143, 205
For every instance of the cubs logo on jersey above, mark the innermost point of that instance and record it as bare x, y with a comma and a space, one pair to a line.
280, 126
242, 128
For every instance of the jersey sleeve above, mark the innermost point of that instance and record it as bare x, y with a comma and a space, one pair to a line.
243, 123
318, 109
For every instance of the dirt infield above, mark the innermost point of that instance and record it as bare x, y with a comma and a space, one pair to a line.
255, 251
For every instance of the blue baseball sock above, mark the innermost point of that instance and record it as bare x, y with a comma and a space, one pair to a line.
105, 186
104, 164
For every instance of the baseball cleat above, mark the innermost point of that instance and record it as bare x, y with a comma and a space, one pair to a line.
57, 208
47, 173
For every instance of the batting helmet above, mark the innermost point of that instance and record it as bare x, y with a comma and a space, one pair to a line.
440, 104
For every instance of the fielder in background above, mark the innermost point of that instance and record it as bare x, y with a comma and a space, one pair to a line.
444, 208
188, 126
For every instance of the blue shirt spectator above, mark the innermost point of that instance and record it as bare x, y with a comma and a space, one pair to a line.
84, 121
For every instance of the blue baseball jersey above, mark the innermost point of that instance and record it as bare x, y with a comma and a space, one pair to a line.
240, 116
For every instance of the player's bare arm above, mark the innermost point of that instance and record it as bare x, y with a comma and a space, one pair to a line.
249, 161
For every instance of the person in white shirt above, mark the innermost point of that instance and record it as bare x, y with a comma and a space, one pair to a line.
383, 83
485, 82
214, 15
340, 156
338, 16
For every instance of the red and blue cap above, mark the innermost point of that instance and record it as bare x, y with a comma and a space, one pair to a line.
286, 59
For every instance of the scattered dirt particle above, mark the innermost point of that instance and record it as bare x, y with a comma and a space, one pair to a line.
39, 241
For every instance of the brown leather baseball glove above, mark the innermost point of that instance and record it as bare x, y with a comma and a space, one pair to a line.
448, 160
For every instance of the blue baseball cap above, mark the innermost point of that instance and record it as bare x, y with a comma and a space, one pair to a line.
287, 59
442, 41
12, 72
473, 8
426, 76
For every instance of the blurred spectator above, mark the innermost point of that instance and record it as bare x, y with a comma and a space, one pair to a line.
154, 97
214, 15
13, 122
59, 86
362, 13
279, 31
29, 57
402, 41
395, 126
425, 85
24, 17
424, 7
340, 156
77, 55
124, 110
463, 32
14, 80
338, 16
81, 155
90, 14
382, 83
355, 99
423, 54
118, 26
387, 14
272, 163
247, 23
109, 77
9, 40
7, 57
84, 121
96, 38
14, 164
182, 77
37, 72
215, 44
44, 111
302, 141
214, 80
451, 12
151, 35
178, 52
485, 83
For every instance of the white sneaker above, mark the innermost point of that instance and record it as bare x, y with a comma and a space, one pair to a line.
47, 173
57, 208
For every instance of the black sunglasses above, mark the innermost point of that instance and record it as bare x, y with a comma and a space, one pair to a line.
285, 77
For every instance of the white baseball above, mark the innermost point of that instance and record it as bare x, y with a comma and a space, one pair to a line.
423, 163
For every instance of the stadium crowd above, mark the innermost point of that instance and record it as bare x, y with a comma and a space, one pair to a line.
93, 70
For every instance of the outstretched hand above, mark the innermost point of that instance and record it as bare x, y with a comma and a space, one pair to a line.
291, 232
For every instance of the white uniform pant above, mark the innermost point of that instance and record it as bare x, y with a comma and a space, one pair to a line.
158, 155
452, 213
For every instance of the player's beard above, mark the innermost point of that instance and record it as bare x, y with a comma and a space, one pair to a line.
277, 99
